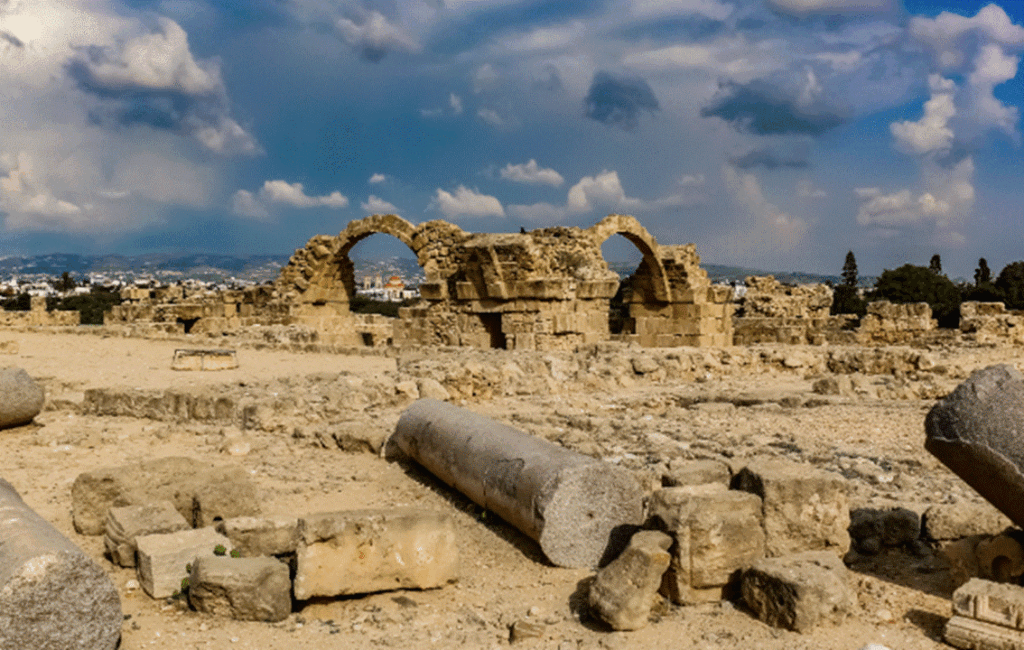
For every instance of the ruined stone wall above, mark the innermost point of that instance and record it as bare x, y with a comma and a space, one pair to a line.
889, 324
772, 312
991, 323
37, 316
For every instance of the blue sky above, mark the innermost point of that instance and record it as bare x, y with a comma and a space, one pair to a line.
773, 134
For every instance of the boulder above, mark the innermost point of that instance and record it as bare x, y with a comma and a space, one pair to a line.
978, 432
624, 591
21, 398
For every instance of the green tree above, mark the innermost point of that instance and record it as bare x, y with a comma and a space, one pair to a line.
1011, 284
982, 274
850, 270
911, 283
65, 283
845, 299
935, 264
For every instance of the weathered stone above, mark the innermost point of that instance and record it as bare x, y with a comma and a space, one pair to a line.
990, 602
363, 551
971, 634
204, 360
800, 591
21, 398
246, 589
523, 630
963, 559
172, 479
954, 521
578, 509
257, 536
623, 592
432, 389
1000, 558
52, 596
717, 533
695, 472
129, 522
162, 558
805, 509
871, 529
225, 495
978, 432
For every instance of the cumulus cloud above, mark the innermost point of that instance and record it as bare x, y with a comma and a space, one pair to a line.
930, 134
375, 205
531, 172
775, 107
30, 204
467, 203
152, 79
604, 191
805, 189
373, 36
619, 101
456, 103
377, 178
713, 9
767, 228
491, 116
247, 204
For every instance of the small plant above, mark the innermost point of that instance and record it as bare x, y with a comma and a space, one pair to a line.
235, 553
219, 550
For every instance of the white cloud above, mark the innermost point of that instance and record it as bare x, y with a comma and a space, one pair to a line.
538, 213
484, 78
456, 103
375, 205
831, 6
952, 37
490, 116
377, 178
768, 228
712, 9
930, 134
467, 203
293, 194
602, 190
245, 204
943, 205
375, 36
531, 172
805, 189
27, 200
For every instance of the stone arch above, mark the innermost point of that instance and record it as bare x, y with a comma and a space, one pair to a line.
651, 267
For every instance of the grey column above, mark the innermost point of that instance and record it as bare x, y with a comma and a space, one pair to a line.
580, 510
52, 595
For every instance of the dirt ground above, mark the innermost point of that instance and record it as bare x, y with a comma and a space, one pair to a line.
903, 598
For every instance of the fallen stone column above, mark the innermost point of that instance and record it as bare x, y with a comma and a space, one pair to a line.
978, 432
52, 596
580, 510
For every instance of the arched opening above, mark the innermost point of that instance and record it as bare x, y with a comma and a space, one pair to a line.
625, 259
379, 273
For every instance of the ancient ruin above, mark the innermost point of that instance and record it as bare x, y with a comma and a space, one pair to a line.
546, 289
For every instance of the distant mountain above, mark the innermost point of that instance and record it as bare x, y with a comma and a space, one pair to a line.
213, 267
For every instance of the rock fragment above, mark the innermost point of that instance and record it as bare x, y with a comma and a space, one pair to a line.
127, 523
623, 592
246, 589
162, 559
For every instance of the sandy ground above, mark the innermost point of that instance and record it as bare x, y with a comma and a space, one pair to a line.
903, 599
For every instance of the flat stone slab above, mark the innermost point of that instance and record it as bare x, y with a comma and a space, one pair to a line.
163, 558
978, 432
125, 524
204, 360
364, 551
256, 536
972, 634
991, 602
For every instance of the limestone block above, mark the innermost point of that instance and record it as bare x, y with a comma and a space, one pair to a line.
624, 591
364, 551
52, 595
970, 634
21, 398
990, 602
245, 589
174, 479
204, 360
256, 536
798, 592
695, 472
978, 432
9, 347
717, 533
805, 509
125, 524
162, 558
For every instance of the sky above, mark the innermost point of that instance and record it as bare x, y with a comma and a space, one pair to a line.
773, 134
